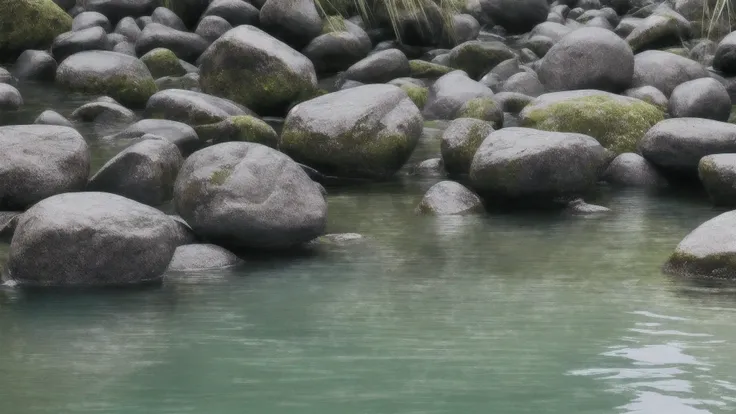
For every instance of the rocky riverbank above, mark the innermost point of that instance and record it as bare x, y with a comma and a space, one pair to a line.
244, 114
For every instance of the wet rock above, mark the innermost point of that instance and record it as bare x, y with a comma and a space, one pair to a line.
665, 70
210, 28
700, 98
335, 52
163, 62
114, 241
144, 172
243, 128
30, 24
106, 115
364, 132
168, 18
192, 108
516, 16
235, 12
337, 240
125, 48
460, 141
617, 122
39, 161
554, 165
10, 98
449, 198
49, 117
477, 57
200, 257
186, 46
588, 58
718, 175
677, 145
632, 170
86, 20
708, 252
244, 195
254, 69
295, 22
180, 134
703, 52
433, 167
450, 92
122, 77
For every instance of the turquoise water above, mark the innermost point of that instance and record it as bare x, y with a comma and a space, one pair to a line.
511, 314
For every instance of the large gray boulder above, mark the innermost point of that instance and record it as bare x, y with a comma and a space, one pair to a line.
718, 175
588, 58
664, 70
632, 170
295, 22
243, 195
516, 16
460, 141
708, 252
539, 166
364, 132
677, 145
90, 239
30, 24
380, 67
201, 257
449, 198
122, 77
144, 172
450, 92
255, 69
192, 108
39, 161
180, 134
700, 98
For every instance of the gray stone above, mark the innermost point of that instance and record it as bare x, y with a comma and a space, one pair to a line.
578, 207
648, 94
67, 44
665, 70
449, 198
49, 117
235, 12
516, 16
113, 242
477, 57
106, 116
380, 67
128, 28
168, 18
525, 83
460, 141
180, 134
708, 252
85, 20
450, 92
433, 167
659, 31
192, 108
210, 28
10, 98
632, 170
295, 22
201, 257
117, 9
725, 57
700, 98
337, 51
187, 46
718, 174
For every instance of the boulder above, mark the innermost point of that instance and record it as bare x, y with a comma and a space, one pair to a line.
244, 128
449, 198
189, 11
39, 161
30, 24
180, 134
186, 46
210, 28
516, 16
659, 31
35, 65
163, 62
632, 170
525, 83
254, 69
648, 94
708, 252
537, 166
128, 28
725, 57
665, 70
477, 57
85, 20
450, 92
588, 58
460, 141
676, 145
485, 109
243, 195
512, 102
432, 167
6, 76
113, 241
120, 76
168, 18
10, 98
427, 70
69, 43
380, 67
192, 108
235, 12
364, 132
617, 122
201, 257
718, 174
144, 172
335, 51
295, 22
105, 115
700, 98
49, 117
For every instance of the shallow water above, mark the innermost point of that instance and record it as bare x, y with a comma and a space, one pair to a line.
524, 313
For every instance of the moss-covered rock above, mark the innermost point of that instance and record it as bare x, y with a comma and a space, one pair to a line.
122, 77
30, 24
252, 68
708, 252
163, 62
418, 94
460, 141
449, 198
427, 70
477, 57
617, 122
242, 128
485, 109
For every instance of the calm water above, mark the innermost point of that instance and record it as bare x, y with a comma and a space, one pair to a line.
529, 313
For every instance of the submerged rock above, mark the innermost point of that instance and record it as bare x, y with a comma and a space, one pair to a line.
113, 241
39, 161
708, 252
433, 167
718, 175
364, 132
49, 117
244, 195
30, 24
617, 122
579, 207
199, 257
104, 113
632, 170
449, 198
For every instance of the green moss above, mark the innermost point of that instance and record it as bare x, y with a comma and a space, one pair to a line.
242, 128
220, 176
163, 62
427, 70
334, 24
417, 94
485, 109
617, 125
30, 24
132, 92
716, 266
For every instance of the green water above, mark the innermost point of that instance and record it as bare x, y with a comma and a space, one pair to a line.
523, 313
